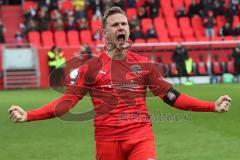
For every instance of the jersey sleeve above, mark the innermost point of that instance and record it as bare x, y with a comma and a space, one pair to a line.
156, 83
186, 102
76, 89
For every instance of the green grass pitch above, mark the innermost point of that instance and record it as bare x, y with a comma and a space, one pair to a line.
206, 136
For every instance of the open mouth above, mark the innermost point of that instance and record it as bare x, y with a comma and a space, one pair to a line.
121, 37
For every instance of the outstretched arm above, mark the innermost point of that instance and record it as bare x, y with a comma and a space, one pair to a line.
185, 102
54, 109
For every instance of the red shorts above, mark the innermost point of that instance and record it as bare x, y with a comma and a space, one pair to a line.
133, 149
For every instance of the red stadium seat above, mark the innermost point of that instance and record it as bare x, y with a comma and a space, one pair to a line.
66, 5
235, 21
34, 38
47, 39
190, 39
216, 38
221, 20
187, 3
216, 67
168, 11
230, 67
177, 39
73, 38
86, 37
27, 5
197, 25
96, 25
152, 40
60, 38
228, 38
139, 40
185, 27
202, 70
202, 39
173, 29
145, 23
130, 12
173, 69
177, 4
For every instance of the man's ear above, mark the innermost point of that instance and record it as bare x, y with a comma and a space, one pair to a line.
103, 32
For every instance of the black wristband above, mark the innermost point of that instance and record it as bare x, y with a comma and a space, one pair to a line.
171, 96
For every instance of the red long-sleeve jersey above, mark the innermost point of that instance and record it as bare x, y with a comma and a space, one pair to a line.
118, 89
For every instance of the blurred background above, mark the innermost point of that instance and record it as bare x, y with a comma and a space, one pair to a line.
198, 42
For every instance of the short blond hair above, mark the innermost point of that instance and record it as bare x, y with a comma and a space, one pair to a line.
111, 11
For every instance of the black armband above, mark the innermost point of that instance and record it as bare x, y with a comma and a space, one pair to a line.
171, 96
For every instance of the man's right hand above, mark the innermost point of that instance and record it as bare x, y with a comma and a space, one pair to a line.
17, 114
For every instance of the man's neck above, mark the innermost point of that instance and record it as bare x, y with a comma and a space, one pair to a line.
116, 54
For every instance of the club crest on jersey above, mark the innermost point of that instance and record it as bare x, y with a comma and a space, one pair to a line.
74, 75
136, 68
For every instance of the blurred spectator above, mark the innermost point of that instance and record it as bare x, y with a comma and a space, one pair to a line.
56, 15
181, 12
206, 7
106, 4
236, 56
151, 32
2, 30
83, 24
134, 22
237, 30
234, 6
56, 64
85, 49
43, 19
137, 33
80, 9
218, 7
229, 15
131, 3
153, 8
53, 4
209, 22
31, 26
31, 13
19, 38
71, 24
226, 30
118, 3
142, 13
180, 55
58, 25
194, 9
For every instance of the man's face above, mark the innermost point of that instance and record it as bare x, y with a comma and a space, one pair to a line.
117, 29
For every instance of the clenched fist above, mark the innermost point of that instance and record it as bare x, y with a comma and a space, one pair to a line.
223, 104
17, 114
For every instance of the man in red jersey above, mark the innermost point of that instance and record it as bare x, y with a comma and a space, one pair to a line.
117, 81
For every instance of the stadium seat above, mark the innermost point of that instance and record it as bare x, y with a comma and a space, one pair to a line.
202, 39
177, 39
221, 20
197, 25
190, 39
139, 40
152, 40
140, 3
228, 38
177, 4
168, 11
187, 3
66, 5
173, 29
145, 23
202, 70
73, 38
86, 37
96, 25
130, 12
60, 38
34, 38
185, 27
235, 21
216, 68
173, 69
230, 67
47, 39
27, 5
